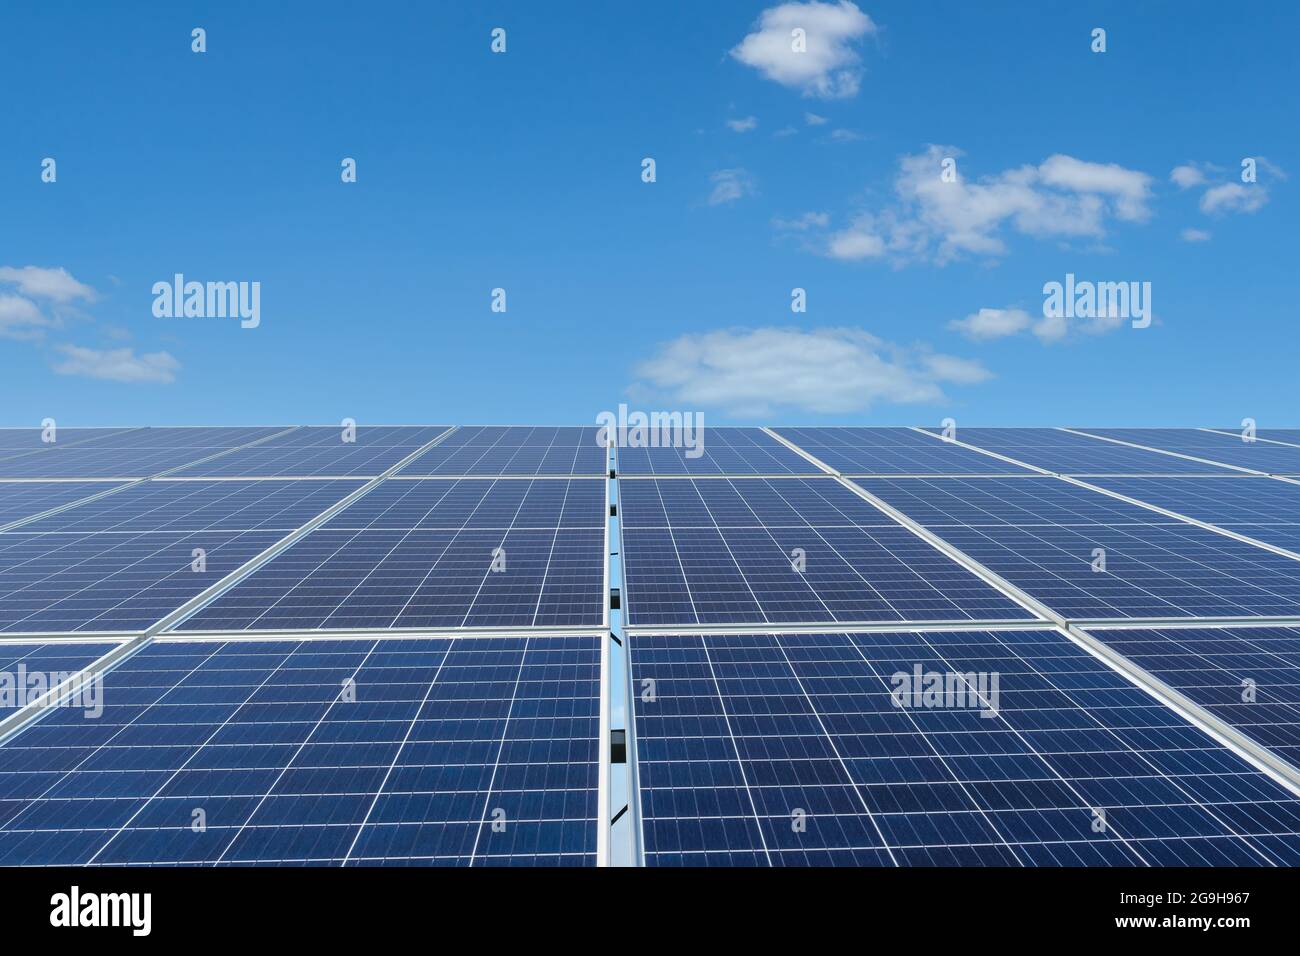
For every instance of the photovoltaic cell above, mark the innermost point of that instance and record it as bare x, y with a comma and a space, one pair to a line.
723, 451
321, 451
28, 670
1290, 436
790, 550
1248, 677
135, 453
1262, 508
20, 441
1154, 566
167, 505
359, 752
790, 750
514, 450
422, 554
1267, 457
892, 451
1068, 454
59, 582
22, 499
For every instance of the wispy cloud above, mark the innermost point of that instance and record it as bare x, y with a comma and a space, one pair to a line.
1194, 235
940, 220
1233, 197
730, 185
753, 372
827, 66
812, 119
53, 284
743, 125
989, 324
117, 365
21, 319
1187, 175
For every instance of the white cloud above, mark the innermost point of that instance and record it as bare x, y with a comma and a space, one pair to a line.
809, 220
730, 185
786, 131
53, 284
21, 319
1233, 197
812, 119
1187, 176
827, 370
1194, 235
743, 125
828, 67
992, 323
934, 219
844, 135
118, 365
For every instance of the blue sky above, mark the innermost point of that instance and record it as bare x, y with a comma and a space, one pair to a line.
522, 171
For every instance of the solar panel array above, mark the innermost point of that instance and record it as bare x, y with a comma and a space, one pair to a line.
838, 710
432, 691
879, 646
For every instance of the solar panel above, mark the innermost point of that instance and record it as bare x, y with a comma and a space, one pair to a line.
23, 499
892, 451
167, 505
28, 670
1153, 566
116, 581
135, 453
436, 553
789, 750
721, 451
469, 751
1261, 508
1249, 677
1290, 436
754, 550
1069, 454
320, 451
514, 450
1262, 456
21, 441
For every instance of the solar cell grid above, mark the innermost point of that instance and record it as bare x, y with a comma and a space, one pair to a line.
135, 453
23, 499
322, 451
1153, 567
514, 450
1068, 454
723, 451
783, 550
20, 441
1267, 457
166, 505
892, 451
322, 752
789, 750
432, 553
1247, 676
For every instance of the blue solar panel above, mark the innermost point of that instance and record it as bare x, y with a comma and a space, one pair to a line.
27, 670
320, 451
436, 553
1262, 508
514, 450
137, 453
1154, 566
167, 505
22, 499
1268, 457
441, 739
1289, 436
892, 451
1069, 454
112, 581
1248, 677
789, 750
727, 551
722, 451
19, 441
